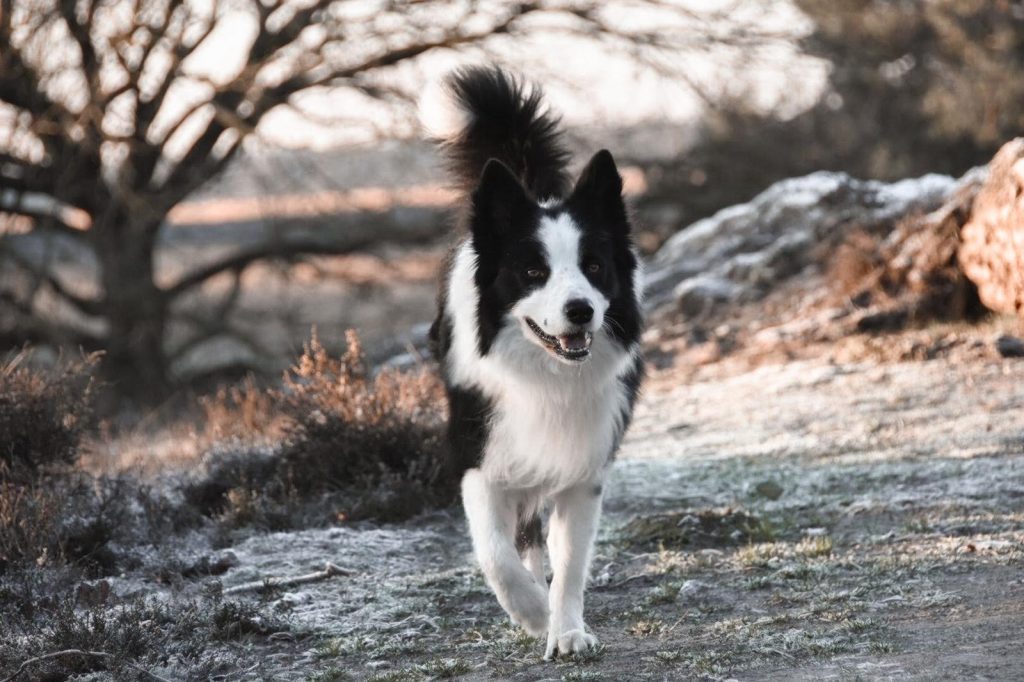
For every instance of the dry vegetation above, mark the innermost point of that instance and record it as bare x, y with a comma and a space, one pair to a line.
335, 442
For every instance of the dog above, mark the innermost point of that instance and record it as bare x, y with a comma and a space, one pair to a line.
538, 340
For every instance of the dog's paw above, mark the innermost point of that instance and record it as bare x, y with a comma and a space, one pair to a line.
568, 643
528, 607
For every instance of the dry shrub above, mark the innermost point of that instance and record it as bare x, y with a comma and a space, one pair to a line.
43, 417
856, 260
29, 524
910, 276
50, 513
245, 412
94, 524
354, 445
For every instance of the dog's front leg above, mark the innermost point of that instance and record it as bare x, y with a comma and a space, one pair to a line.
492, 525
571, 532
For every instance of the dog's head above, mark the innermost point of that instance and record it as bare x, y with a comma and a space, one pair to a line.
562, 272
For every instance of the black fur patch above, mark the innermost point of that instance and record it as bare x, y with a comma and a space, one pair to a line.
631, 382
504, 223
596, 205
469, 414
529, 533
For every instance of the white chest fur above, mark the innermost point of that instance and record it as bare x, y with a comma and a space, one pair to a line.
553, 436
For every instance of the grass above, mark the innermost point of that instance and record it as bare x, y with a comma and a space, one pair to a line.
645, 628
665, 593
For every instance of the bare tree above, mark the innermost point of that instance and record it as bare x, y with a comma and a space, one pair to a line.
107, 122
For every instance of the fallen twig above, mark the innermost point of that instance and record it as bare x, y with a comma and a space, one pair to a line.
77, 652
330, 570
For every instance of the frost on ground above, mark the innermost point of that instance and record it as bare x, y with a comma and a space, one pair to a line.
819, 521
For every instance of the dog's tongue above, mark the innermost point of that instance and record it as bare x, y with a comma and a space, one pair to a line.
574, 341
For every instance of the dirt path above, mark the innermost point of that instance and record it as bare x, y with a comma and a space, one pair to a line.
892, 549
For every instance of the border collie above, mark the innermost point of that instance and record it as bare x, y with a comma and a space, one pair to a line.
537, 336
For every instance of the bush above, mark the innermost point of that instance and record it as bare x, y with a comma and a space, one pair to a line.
95, 524
48, 512
43, 417
138, 635
353, 445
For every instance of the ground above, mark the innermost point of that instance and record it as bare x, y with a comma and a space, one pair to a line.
799, 521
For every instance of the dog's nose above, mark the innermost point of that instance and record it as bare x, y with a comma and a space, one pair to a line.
579, 311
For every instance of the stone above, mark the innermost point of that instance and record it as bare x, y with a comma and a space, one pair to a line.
1010, 346
991, 252
692, 590
769, 490
92, 594
739, 254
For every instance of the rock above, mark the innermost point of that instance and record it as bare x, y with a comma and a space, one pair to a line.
769, 489
212, 564
741, 252
92, 594
692, 590
223, 561
1010, 346
992, 250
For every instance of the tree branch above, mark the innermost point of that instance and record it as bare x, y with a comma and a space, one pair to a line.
39, 331
77, 652
330, 570
244, 259
17, 199
80, 34
397, 55
87, 306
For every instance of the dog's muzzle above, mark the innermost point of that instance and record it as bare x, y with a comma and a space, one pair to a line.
574, 346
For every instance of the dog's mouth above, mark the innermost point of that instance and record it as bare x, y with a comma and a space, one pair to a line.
574, 347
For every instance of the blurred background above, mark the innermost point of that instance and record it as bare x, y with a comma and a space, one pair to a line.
190, 186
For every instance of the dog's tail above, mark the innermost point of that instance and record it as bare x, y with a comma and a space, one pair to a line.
482, 113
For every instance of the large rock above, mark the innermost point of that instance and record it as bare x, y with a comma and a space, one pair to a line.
992, 249
740, 253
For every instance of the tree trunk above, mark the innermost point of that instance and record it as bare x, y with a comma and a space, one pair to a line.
133, 307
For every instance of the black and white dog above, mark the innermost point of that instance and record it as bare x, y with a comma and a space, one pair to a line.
538, 339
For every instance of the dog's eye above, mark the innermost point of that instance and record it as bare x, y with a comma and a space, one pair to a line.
535, 273
593, 267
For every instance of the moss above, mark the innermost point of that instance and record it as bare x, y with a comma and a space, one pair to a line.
696, 529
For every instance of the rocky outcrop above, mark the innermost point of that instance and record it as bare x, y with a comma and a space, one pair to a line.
742, 252
992, 249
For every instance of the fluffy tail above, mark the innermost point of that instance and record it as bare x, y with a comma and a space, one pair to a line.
482, 113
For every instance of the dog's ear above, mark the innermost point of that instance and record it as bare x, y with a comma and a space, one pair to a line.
500, 202
599, 191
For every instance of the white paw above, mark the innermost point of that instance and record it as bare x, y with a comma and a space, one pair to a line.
528, 607
568, 643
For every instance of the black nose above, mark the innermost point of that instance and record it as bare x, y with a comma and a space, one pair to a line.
579, 311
